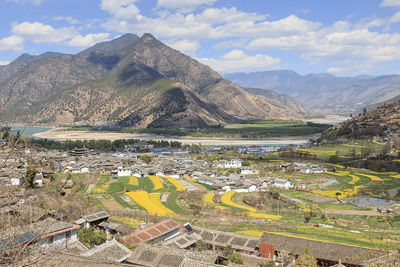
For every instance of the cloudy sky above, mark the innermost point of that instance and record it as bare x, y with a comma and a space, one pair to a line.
341, 37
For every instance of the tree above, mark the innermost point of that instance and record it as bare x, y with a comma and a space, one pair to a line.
306, 259
30, 177
146, 158
233, 256
201, 246
90, 238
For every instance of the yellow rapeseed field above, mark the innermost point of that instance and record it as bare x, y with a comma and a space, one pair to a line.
178, 185
208, 199
127, 220
150, 202
336, 165
250, 233
264, 216
372, 177
100, 189
343, 194
157, 182
349, 145
319, 152
354, 179
227, 200
133, 181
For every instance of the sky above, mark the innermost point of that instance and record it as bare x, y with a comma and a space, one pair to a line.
340, 37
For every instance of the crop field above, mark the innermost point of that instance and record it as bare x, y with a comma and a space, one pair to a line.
150, 202
157, 182
174, 182
232, 212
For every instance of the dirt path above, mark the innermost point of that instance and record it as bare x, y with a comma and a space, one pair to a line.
354, 212
112, 205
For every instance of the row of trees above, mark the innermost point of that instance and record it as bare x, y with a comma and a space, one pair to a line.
104, 145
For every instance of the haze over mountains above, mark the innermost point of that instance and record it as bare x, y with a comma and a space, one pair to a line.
325, 93
130, 81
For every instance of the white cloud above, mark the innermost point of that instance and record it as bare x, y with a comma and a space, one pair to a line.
390, 3
88, 40
41, 33
122, 9
395, 18
237, 60
3, 63
183, 6
185, 46
14, 43
338, 43
68, 19
34, 2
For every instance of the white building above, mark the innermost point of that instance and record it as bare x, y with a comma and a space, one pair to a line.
124, 171
281, 183
54, 233
16, 180
234, 163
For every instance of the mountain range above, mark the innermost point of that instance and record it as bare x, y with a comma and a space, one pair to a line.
325, 93
131, 81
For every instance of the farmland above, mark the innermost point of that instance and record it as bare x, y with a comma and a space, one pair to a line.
319, 212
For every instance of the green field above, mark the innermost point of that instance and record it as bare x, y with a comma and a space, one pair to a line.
247, 129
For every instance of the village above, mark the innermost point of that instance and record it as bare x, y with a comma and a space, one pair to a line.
198, 206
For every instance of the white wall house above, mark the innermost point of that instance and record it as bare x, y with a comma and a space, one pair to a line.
84, 170
55, 233
281, 183
16, 180
234, 163
124, 172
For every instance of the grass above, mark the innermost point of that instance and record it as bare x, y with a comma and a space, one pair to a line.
246, 129
120, 201
116, 187
146, 184
172, 205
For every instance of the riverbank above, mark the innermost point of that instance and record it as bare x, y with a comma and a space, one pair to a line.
62, 134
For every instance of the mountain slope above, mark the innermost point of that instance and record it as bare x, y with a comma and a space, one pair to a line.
324, 93
22, 62
133, 82
280, 100
375, 122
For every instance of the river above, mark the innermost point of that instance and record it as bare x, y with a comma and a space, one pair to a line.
61, 134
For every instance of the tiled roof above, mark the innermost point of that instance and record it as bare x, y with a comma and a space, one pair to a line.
321, 250
224, 239
51, 226
96, 216
147, 255
109, 251
151, 232
182, 240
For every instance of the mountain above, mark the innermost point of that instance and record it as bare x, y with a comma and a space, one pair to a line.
130, 81
324, 93
22, 62
280, 100
375, 122
119, 43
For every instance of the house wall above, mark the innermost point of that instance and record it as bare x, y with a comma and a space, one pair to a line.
124, 173
61, 239
267, 251
16, 181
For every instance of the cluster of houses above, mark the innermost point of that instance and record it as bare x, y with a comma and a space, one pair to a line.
176, 164
170, 243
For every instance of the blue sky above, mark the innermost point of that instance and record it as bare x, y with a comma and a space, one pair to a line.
341, 37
